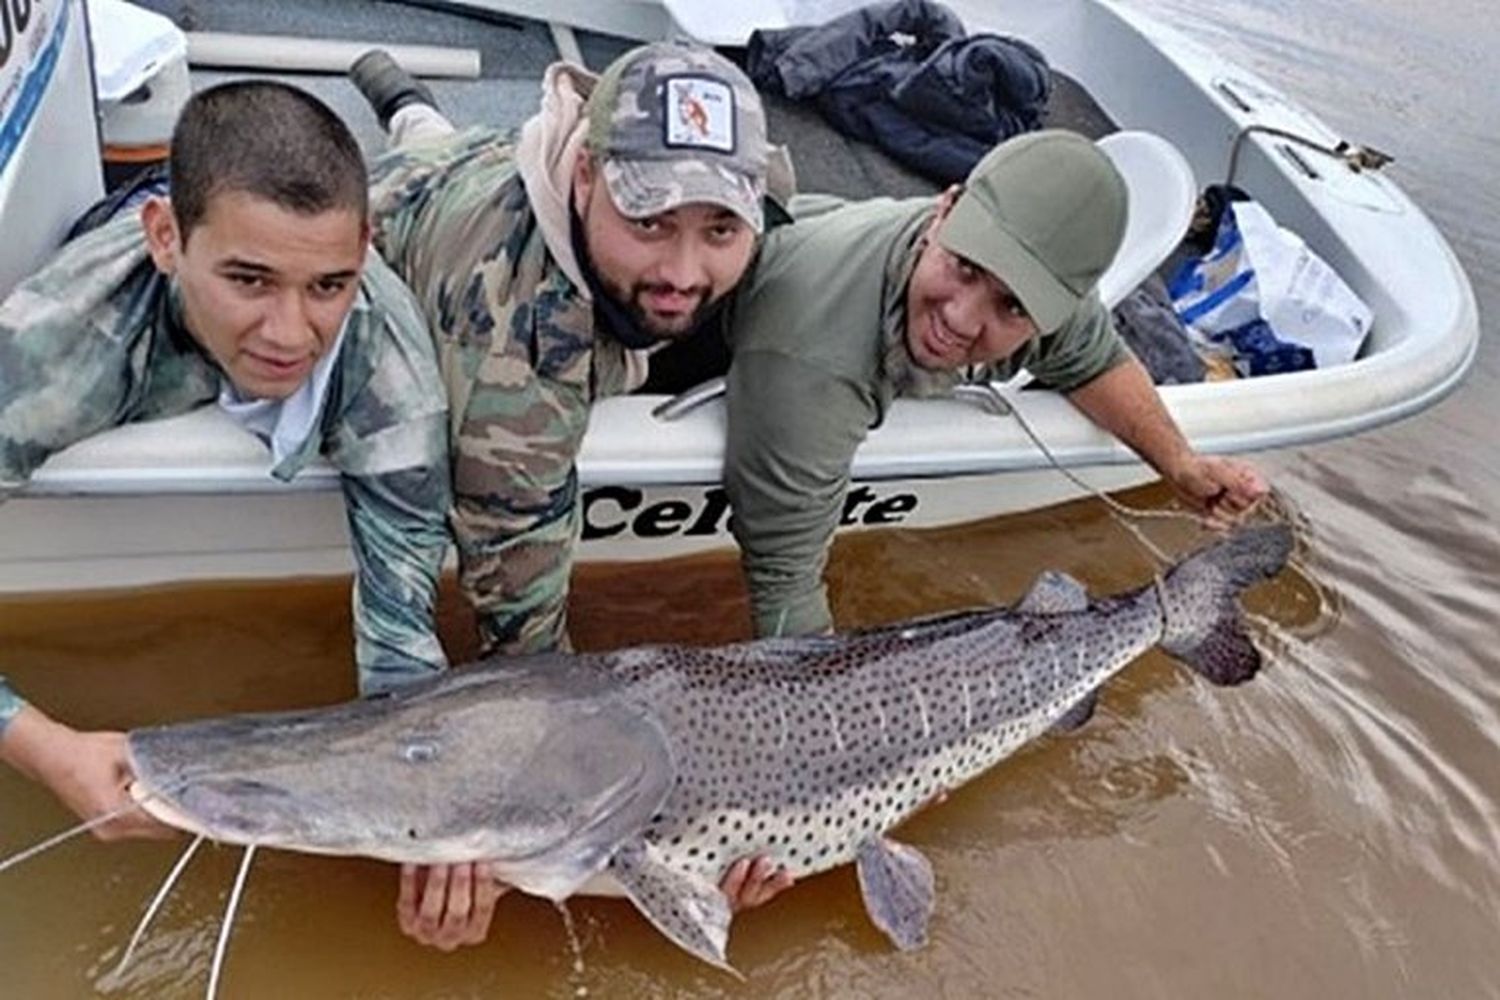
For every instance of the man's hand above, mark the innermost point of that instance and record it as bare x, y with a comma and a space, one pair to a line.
1124, 402
448, 906
89, 772
1223, 491
749, 882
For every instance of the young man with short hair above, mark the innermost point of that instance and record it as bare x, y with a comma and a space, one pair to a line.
857, 303
254, 289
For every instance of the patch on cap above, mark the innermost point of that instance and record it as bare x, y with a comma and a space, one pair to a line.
699, 114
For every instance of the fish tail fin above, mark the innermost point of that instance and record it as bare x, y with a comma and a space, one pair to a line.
1200, 602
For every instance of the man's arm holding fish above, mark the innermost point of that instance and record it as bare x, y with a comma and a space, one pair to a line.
57, 388
88, 771
787, 476
389, 440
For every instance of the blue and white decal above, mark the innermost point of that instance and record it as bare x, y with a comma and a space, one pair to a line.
31, 38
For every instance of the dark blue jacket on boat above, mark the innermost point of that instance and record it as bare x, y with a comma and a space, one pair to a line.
906, 77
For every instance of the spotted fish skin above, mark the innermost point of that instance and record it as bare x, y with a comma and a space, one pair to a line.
807, 750
804, 749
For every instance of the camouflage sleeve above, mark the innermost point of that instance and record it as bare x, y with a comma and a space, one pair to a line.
59, 383
75, 343
516, 510
399, 532
793, 430
515, 349
10, 705
390, 442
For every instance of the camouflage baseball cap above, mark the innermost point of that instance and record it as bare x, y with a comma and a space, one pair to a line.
672, 124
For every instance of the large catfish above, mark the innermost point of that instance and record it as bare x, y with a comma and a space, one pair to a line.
647, 771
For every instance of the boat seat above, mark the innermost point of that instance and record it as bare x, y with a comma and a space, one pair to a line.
1163, 195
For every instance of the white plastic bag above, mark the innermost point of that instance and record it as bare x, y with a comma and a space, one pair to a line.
1258, 271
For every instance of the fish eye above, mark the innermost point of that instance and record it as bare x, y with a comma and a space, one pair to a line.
419, 753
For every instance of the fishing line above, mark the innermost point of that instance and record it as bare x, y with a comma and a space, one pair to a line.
71, 832
156, 903
1272, 508
222, 947
995, 402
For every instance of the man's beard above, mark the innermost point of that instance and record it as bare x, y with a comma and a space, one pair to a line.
678, 327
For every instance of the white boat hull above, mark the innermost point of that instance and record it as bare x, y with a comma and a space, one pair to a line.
102, 542
189, 499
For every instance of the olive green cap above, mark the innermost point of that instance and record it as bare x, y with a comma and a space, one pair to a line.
1045, 213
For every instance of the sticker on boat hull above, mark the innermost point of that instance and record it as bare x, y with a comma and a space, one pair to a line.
31, 37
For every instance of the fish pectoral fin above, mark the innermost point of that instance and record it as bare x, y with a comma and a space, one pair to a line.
896, 881
690, 910
1054, 593
1081, 712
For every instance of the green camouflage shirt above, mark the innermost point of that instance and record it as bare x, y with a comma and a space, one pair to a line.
521, 363
96, 340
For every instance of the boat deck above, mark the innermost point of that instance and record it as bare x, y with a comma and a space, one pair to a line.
514, 52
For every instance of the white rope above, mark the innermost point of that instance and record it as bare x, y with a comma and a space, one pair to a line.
996, 403
156, 902
1118, 511
234, 901
71, 832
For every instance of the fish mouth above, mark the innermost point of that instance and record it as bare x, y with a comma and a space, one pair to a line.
156, 805
238, 811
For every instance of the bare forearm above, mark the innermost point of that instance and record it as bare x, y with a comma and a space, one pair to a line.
25, 741
89, 772
1124, 402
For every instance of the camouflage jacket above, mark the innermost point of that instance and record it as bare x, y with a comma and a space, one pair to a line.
517, 346
96, 340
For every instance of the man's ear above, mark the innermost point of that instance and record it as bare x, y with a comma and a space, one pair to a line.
162, 238
948, 199
945, 204
584, 178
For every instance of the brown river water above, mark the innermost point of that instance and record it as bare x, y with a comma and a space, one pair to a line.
1331, 829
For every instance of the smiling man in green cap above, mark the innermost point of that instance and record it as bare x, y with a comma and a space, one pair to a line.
858, 303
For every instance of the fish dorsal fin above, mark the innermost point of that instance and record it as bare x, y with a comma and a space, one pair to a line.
690, 910
1054, 593
896, 882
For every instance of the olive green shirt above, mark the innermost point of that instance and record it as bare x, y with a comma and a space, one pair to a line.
818, 333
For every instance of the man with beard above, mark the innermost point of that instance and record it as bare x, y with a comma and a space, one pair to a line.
551, 265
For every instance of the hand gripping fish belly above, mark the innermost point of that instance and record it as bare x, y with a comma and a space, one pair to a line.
647, 771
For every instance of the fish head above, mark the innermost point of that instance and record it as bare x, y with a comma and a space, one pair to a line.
541, 770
